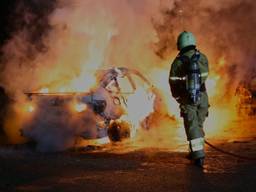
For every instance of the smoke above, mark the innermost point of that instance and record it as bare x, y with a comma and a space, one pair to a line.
28, 30
224, 33
59, 44
58, 127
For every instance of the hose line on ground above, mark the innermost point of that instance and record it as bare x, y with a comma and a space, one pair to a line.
229, 153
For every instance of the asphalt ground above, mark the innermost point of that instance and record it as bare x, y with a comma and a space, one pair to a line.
109, 168
130, 166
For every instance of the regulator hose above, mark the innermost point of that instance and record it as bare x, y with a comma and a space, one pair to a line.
229, 153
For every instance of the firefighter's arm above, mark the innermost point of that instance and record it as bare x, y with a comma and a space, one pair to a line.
174, 79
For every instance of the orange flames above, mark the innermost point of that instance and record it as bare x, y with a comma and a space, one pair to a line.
138, 108
90, 35
44, 90
79, 107
221, 113
30, 108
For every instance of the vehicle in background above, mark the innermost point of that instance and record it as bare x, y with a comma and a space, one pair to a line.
111, 109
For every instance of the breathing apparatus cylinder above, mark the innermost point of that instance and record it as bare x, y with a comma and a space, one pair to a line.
193, 83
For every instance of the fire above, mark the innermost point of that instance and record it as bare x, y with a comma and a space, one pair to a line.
101, 141
211, 85
222, 110
220, 114
138, 99
222, 61
83, 83
89, 35
30, 108
44, 90
80, 107
159, 78
219, 119
62, 90
19, 114
138, 108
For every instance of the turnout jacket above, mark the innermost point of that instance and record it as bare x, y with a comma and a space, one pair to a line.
178, 73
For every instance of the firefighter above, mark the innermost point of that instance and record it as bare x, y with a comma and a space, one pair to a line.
187, 78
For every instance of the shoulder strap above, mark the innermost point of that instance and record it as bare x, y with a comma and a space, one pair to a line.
196, 56
184, 59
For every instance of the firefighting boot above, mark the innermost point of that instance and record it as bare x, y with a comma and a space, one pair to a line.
197, 151
199, 162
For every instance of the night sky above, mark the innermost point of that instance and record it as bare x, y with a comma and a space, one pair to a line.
12, 15
14, 18
6, 10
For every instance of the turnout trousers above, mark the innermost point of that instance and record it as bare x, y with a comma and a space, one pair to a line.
194, 116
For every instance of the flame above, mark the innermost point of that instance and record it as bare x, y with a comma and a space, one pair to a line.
220, 114
222, 61
83, 83
89, 35
138, 99
222, 110
19, 114
44, 90
218, 120
30, 108
211, 85
89, 142
80, 107
138, 108
159, 78
62, 90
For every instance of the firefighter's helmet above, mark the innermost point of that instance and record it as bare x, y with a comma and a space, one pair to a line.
185, 39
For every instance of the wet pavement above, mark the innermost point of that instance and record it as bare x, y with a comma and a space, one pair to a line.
136, 167
109, 169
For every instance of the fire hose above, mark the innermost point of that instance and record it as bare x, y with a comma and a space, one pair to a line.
229, 153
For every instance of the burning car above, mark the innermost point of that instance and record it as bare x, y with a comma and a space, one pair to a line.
120, 103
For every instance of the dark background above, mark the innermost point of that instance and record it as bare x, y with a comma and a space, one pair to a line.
21, 15
7, 8
32, 15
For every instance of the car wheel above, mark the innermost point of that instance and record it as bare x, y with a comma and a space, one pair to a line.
118, 131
